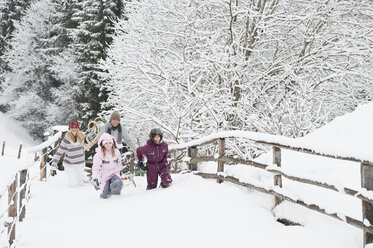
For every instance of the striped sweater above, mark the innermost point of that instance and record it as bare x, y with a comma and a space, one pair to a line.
74, 154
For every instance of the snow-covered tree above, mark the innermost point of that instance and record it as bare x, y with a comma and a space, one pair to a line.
10, 11
161, 68
310, 64
93, 34
41, 75
276, 66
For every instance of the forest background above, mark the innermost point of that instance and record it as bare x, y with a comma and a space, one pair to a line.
191, 67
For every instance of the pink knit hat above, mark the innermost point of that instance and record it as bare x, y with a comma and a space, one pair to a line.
106, 137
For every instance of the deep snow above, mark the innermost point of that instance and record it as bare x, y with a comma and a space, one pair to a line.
196, 212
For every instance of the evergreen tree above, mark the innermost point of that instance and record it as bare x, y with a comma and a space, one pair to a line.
93, 36
41, 69
10, 11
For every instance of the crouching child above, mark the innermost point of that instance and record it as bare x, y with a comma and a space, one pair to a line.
107, 164
156, 151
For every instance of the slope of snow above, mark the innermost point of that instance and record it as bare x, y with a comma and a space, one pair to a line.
13, 133
353, 130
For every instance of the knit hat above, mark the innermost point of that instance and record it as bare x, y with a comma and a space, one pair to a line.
73, 124
115, 116
155, 132
107, 136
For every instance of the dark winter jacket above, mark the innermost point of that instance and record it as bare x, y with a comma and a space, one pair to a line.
156, 154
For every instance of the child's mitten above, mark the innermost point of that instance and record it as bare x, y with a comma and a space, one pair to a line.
141, 165
96, 184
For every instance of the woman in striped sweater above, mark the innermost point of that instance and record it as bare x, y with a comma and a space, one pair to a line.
72, 145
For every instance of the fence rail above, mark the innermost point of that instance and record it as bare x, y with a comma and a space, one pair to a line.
277, 144
18, 192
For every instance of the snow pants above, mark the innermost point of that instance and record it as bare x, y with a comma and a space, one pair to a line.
113, 186
152, 176
75, 176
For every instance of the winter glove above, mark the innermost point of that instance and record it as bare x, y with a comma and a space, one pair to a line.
141, 165
96, 184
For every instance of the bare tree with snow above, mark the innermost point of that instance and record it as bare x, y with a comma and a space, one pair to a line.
276, 66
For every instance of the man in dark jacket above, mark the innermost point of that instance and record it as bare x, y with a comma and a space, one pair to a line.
156, 152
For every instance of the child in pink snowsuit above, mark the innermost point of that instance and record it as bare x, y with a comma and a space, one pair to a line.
107, 164
156, 152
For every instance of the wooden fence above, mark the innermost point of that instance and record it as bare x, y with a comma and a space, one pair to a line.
18, 192
191, 148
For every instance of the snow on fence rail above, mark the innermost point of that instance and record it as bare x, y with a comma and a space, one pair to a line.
18, 191
365, 194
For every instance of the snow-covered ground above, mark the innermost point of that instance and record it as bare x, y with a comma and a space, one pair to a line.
196, 212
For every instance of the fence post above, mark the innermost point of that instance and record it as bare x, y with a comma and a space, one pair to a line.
2, 150
58, 142
44, 157
22, 194
53, 172
174, 155
192, 153
367, 182
221, 163
12, 211
19, 151
277, 178
132, 164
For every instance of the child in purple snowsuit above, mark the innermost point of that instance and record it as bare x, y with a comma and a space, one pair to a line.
156, 152
107, 164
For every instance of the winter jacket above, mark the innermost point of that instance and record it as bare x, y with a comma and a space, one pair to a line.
105, 167
74, 154
118, 135
156, 154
